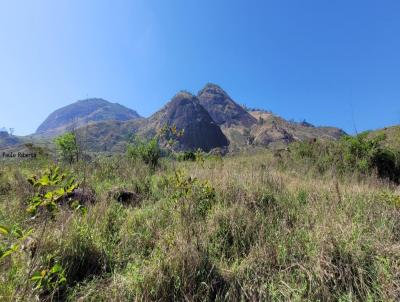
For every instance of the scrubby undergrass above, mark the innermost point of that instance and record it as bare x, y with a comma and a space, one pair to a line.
242, 228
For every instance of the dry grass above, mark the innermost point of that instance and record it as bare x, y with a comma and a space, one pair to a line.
250, 228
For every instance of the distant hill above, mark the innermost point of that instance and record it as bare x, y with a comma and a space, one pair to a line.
82, 113
7, 140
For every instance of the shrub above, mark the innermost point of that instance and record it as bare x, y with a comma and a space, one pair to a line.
387, 164
147, 151
187, 156
350, 154
67, 147
49, 281
196, 196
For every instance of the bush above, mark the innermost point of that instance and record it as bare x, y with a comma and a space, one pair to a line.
147, 151
187, 156
67, 147
196, 196
387, 164
350, 154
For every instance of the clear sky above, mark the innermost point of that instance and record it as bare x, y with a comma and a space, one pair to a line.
329, 62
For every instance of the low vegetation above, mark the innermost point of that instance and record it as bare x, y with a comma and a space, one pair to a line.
359, 154
316, 222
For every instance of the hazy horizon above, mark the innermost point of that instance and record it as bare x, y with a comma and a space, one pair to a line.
333, 64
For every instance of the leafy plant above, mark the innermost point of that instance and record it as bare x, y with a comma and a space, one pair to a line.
67, 147
187, 188
11, 240
51, 188
171, 135
49, 279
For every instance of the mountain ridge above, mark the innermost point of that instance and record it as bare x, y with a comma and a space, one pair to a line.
210, 119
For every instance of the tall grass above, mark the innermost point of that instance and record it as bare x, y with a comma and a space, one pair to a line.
253, 227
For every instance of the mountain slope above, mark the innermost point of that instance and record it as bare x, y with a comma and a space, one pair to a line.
274, 131
256, 127
109, 136
82, 113
391, 134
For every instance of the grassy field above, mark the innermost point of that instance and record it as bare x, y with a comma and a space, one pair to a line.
255, 227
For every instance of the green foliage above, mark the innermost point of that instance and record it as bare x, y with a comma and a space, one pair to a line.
67, 147
195, 195
147, 151
197, 156
170, 134
186, 156
350, 154
359, 151
391, 198
11, 240
49, 279
77, 206
50, 188
150, 151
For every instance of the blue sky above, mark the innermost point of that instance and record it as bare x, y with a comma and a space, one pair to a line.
329, 62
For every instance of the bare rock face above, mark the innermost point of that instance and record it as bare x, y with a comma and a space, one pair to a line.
185, 112
223, 110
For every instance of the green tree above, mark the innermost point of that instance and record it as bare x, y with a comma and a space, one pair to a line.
67, 147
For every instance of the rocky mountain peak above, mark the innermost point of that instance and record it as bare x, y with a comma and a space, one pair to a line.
185, 112
224, 111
